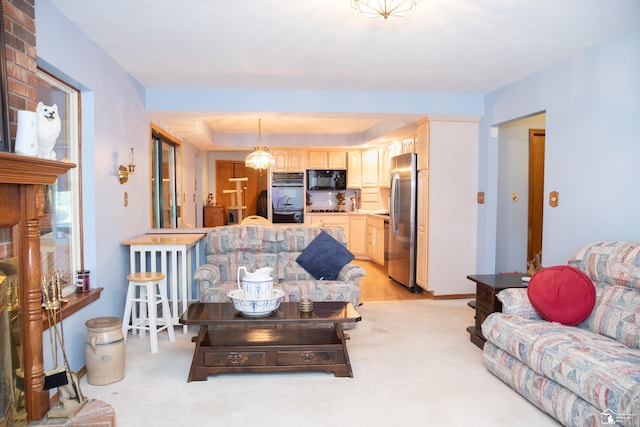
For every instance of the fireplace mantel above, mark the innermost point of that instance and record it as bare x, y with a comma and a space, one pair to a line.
22, 181
16, 169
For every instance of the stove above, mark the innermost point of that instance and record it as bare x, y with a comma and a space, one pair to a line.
325, 210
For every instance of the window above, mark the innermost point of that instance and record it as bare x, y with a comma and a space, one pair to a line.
60, 228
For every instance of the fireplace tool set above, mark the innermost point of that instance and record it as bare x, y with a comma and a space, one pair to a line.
70, 397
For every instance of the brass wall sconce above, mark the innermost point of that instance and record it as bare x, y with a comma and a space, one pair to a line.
125, 171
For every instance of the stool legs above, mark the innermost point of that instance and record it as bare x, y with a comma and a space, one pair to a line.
146, 316
166, 312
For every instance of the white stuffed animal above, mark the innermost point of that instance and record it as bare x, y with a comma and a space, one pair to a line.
48, 122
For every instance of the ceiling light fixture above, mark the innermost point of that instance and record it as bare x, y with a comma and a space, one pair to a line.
384, 8
260, 158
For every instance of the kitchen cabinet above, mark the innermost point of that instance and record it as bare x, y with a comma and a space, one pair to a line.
384, 179
422, 144
375, 239
354, 169
369, 199
318, 160
358, 234
452, 210
370, 168
422, 252
331, 220
408, 145
288, 161
337, 159
327, 160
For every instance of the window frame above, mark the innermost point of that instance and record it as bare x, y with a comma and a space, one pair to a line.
68, 148
160, 140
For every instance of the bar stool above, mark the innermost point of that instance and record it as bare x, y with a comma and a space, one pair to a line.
148, 302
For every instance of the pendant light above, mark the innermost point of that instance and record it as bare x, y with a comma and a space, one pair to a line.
384, 8
260, 158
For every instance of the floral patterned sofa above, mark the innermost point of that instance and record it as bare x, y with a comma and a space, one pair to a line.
582, 375
255, 246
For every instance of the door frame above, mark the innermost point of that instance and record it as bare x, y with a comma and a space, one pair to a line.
536, 192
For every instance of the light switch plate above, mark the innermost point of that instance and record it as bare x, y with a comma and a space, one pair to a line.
554, 199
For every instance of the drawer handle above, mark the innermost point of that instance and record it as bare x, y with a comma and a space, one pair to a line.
307, 357
235, 358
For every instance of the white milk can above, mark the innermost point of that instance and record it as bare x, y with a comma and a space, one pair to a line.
104, 350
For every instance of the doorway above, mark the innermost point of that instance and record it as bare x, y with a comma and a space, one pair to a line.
520, 195
536, 192
254, 194
165, 161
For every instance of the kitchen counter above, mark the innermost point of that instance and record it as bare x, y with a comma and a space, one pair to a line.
375, 214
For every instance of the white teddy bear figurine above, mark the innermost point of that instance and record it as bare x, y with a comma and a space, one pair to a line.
48, 122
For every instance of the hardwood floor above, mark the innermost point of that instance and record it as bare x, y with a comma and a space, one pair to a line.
377, 286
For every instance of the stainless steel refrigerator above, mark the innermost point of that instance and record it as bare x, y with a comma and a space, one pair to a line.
402, 223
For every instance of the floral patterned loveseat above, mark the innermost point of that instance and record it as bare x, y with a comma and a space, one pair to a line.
582, 375
256, 246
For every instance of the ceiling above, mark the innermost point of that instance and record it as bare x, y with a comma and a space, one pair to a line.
443, 46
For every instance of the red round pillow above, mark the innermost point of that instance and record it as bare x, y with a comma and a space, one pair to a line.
562, 294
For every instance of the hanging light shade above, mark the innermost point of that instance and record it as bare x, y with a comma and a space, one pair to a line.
384, 8
260, 158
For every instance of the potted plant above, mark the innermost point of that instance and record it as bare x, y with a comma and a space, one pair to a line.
340, 197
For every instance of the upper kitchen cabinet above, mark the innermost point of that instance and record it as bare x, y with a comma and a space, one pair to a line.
370, 168
318, 160
384, 178
409, 145
354, 169
337, 159
327, 160
288, 161
422, 144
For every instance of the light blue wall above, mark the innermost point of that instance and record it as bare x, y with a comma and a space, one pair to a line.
113, 120
592, 105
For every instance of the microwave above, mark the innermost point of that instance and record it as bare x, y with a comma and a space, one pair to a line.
326, 180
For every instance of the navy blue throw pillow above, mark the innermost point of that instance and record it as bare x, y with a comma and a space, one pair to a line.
324, 257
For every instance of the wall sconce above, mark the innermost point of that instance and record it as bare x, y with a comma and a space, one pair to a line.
125, 171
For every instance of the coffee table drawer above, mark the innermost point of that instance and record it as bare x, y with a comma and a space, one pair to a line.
225, 358
296, 358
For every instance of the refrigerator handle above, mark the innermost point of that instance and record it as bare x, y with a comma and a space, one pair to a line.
395, 179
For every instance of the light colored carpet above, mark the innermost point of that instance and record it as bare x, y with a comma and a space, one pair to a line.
412, 361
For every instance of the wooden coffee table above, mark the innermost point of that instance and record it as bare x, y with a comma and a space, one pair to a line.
285, 341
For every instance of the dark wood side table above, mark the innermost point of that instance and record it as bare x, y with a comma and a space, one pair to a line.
487, 288
213, 216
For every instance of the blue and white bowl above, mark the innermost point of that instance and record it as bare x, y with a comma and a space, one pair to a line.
256, 307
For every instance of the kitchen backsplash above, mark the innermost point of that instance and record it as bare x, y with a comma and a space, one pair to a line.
327, 199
